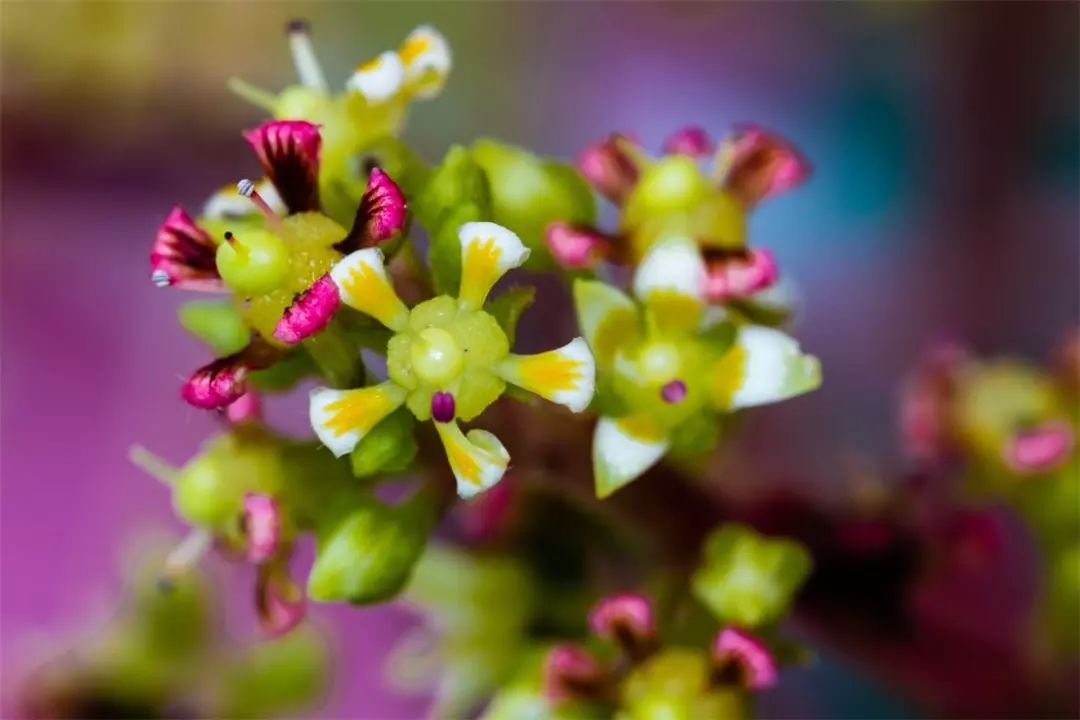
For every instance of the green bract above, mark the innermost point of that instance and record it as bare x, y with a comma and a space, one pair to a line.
747, 579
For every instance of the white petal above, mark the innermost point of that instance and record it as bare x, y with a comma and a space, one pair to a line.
488, 251
566, 376
426, 56
673, 265
364, 285
619, 456
773, 368
341, 418
380, 79
478, 461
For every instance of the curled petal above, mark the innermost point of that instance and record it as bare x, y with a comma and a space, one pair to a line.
1040, 448
381, 216
289, 153
741, 657
425, 55
566, 376
477, 460
310, 312
228, 203
623, 449
341, 418
246, 408
609, 168
754, 164
691, 140
184, 255
223, 381
261, 522
627, 619
218, 384
571, 672
575, 247
488, 251
764, 366
738, 275
279, 601
363, 284
379, 79
608, 318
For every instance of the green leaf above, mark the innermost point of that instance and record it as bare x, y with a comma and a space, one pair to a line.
216, 323
528, 193
368, 555
508, 308
388, 448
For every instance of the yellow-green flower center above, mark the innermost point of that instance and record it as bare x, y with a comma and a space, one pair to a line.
659, 362
436, 356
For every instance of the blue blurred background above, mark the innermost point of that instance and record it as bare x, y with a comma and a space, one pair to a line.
946, 144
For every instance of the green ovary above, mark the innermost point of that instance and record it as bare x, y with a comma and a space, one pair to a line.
643, 370
309, 238
448, 349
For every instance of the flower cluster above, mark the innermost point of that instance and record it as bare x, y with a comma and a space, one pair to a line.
318, 262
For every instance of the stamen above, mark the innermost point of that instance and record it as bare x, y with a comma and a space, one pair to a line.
442, 407
183, 556
247, 188
673, 392
152, 465
160, 278
307, 65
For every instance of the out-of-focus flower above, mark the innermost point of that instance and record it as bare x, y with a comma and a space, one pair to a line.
677, 683
749, 580
925, 403
371, 108
674, 197
448, 357
668, 367
475, 611
628, 620
572, 673
741, 658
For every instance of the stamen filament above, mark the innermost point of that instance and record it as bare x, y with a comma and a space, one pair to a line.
154, 466
307, 65
253, 94
247, 188
184, 555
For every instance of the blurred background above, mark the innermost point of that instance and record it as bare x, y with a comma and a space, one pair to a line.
946, 144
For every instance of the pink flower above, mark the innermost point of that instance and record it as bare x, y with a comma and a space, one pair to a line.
261, 522
571, 672
1040, 448
742, 656
184, 255
289, 153
310, 312
756, 164
627, 619
690, 140
279, 601
609, 168
735, 275
223, 381
576, 248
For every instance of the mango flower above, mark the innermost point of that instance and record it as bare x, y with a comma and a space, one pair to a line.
371, 106
448, 359
274, 256
676, 194
668, 365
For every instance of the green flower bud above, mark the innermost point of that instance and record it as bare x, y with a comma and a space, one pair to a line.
368, 555
456, 181
216, 323
209, 491
389, 447
674, 685
528, 194
275, 677
748, 579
